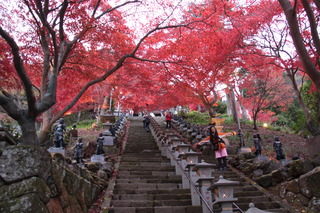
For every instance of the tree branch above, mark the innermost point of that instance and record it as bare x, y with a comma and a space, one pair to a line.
19, 67
313, 25
306, 61
116, 7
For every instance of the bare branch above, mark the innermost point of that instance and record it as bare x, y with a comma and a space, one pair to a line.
95, 8
116, 7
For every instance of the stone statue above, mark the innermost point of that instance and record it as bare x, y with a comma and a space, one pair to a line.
257, 144
100, 144
59, 130
277, 146
78, 150
241, 141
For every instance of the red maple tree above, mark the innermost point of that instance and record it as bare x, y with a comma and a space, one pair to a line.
65, 42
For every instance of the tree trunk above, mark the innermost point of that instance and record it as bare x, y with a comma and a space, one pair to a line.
254, 117
233, 106
98, 114
29, 132
244, 112
229, 105
302, 51
210, 110
45, 129
79, 116
199, 108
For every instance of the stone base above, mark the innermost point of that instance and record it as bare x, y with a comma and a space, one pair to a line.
97, 158
107, 133
262, 158
244, 150
284, 162
108, 140
57, 150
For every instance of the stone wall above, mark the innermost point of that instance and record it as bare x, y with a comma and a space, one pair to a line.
31, 180
295, 181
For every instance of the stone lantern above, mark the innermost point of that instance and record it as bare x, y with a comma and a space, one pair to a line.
192, 159
224, 194
204, 171
181, 148
173, 143
189, 160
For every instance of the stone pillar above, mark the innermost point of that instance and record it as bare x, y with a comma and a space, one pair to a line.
195, 198
191, 158
204, 184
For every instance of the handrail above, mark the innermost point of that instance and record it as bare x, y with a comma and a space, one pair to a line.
238, 208
191, 183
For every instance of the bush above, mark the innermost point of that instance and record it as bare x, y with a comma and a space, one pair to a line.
197, 118
85, 124
221, 107
228, 121
72, 118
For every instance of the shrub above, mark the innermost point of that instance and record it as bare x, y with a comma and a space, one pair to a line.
85, 124
197, 118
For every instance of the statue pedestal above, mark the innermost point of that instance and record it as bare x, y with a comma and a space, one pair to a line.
108, 140
97, 158
57, 150
244, 150
262, 158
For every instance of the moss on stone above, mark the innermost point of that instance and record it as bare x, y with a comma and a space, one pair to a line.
296, 168
29, 203
27, 186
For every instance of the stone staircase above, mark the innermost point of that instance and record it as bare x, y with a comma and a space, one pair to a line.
146, 181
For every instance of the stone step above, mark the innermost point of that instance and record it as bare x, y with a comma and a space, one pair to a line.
150, 180
152, 191
157, 209
138, 158
148, 168
151, 203
143, 155
151, 197
146, 173
142, 164
151, 186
